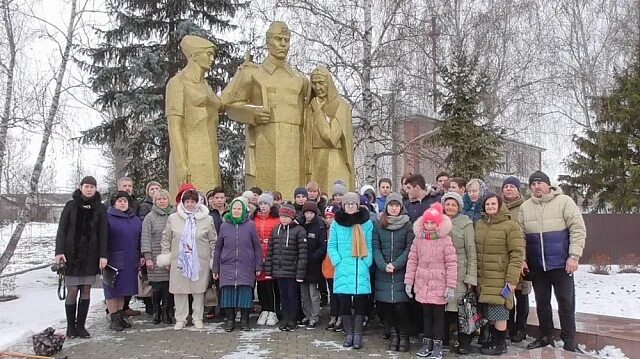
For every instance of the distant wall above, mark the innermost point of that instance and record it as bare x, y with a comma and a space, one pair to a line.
611, 234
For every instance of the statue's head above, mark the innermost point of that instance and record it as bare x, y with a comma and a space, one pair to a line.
322, 83
278, 40
198, 50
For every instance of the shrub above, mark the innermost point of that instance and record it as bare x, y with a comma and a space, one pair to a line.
600, 264
7, 287
629, 263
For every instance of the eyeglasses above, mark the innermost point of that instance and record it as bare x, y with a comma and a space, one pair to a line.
351, 204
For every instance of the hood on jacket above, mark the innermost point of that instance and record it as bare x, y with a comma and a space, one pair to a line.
81, 201
183, 188
501, 216
555, 191
444, 230
201, 212
515, 203
347, 220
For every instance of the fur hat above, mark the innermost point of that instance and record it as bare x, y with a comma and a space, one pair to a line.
266, 198
311, 206
453, 195
287, 210
350, 197
300, 191
434, 214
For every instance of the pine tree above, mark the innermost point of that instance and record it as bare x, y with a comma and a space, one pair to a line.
129, 70
605, 170
472, 145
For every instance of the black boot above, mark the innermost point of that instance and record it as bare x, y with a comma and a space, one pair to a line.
426, 348
148, 305
115, 322
394, 339
156, 298
358, 325
292, 323
485, 335
167, 307
70, 309
464, 343
244, 319
403, 345
541, 342
498, 343
83, 310
123, 322
347, 325
284, 321
229, 319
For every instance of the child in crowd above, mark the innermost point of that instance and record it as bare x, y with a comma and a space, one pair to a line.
316, 250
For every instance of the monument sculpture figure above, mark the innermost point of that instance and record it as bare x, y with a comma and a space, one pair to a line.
192, 113
270, 98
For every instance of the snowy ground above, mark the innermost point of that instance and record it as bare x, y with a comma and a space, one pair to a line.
37, 245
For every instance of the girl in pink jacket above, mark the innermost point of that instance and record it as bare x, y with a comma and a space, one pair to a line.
431, 275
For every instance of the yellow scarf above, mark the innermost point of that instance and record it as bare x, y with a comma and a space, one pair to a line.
358, 244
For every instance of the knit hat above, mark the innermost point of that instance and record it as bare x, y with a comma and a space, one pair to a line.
434, 214
311, 206
364, 200
452, 195
152, 183
339, 188
539, 176
287, 210
266, 198
248, 195
121, 194
394, 197
89, 180
514, 181
300, 191
330, 211
351, 197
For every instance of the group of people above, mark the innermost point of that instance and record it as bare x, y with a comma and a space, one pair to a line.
408, 256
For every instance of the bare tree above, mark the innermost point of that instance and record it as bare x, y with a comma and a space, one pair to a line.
8, 67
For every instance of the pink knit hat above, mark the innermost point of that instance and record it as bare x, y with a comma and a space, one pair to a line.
434, 213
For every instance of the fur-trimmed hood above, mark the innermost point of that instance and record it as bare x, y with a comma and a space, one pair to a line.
444, 230
202, 211
348, 220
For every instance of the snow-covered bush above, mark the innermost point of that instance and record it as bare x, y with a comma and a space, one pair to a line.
600, 264
7, 288
629, 263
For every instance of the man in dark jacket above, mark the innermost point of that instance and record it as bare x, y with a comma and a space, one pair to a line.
316, 252
420, 196
217, 200
147, 204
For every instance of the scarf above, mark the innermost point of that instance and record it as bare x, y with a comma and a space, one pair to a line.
168, 210
428, 236
358, 244
396, 222
188, 261
228, 217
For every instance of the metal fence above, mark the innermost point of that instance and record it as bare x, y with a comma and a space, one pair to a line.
615, 235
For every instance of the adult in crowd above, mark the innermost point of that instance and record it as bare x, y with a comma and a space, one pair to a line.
146, 205
252, 205
392, 239
520, 313
555, 233
500, 249
277, 198
236, 263
316, 252
313, 191
217, 200
458, 185
473, 199
266, 219
187, 246
419, 197
151, 246
351, 252
384, 189
125, 228
463, 237
442, 183
81, 247
404, 191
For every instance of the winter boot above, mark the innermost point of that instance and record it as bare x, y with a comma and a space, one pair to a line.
229, 319
167, 307
70, 309
426, 349
347, 323
283, 322
156, 298
358, 325
394, 339
148, 305
244, 319
464, 343
403, 345
115, 324
498, 343
485, 335
541, 342
83, 310
332, 323
292, 323
123, 322
436, 353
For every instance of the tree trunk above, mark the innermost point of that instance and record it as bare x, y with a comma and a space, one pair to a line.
8, 96
25, 215
367, 98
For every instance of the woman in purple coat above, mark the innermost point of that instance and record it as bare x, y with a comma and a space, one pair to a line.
125, 228
237, 262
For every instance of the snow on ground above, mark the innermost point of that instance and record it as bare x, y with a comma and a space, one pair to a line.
615, 294
37, 307
37, 245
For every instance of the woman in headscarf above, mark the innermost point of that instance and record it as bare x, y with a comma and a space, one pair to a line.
476, 189
237, 262
187, 246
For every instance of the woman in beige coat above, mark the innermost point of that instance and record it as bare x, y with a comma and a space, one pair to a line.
189, 238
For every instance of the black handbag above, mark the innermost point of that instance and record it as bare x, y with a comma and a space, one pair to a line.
109, 276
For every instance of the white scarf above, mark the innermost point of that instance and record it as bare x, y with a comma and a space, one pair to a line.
188, 256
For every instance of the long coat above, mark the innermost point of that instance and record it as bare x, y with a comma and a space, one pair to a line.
391, 246
124, 251
238, 254
432, 265
82, 234
150, 242
500, 248
205, 243
463, 237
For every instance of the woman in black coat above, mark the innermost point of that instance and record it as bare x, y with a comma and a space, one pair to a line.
81, 245
316, 251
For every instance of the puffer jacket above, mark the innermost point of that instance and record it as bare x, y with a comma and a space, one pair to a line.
500, 250
391, 246
554, 229
265, 226
463, 237
287, 256
432, 265
352, 275
151, 239
316, 249
514, 210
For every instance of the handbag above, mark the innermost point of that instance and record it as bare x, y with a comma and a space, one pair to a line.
469, 318
47, 343
109, 276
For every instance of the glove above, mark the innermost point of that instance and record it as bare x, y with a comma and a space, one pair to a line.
408, 289
449, 293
